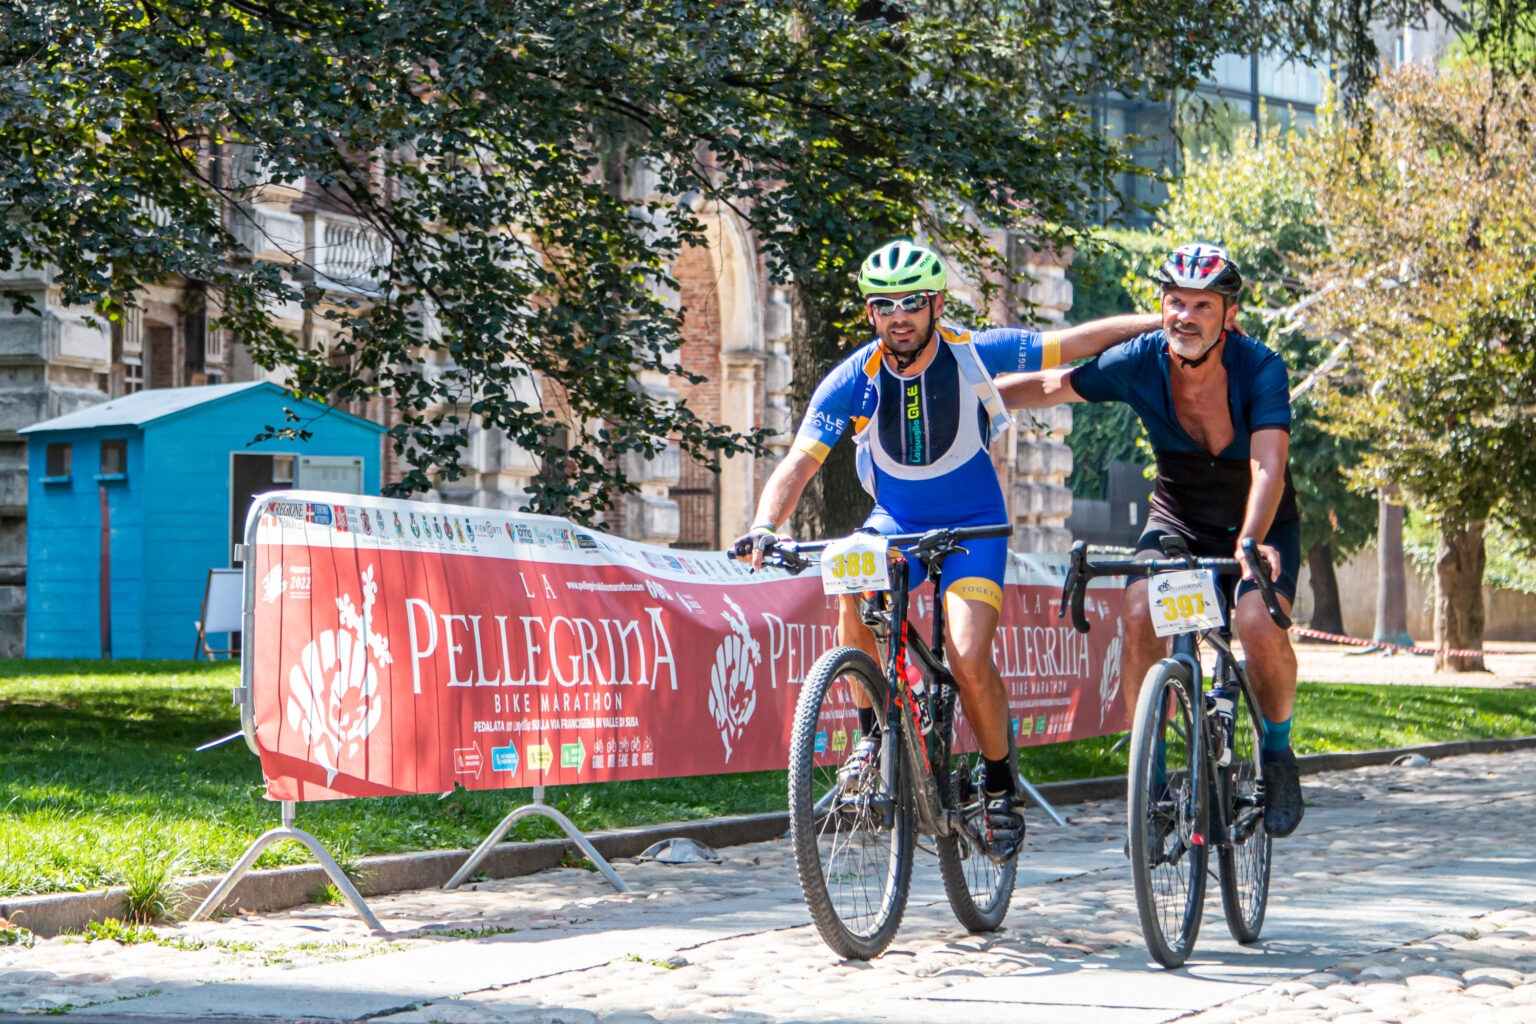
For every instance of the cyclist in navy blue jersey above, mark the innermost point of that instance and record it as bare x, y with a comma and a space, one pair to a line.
923, 409
1216, 407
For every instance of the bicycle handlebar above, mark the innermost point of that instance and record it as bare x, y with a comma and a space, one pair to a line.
1080, 571
791, 555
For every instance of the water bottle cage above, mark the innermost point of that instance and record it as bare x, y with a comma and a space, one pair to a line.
1219, 707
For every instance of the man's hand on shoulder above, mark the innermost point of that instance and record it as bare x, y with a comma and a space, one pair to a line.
1039, 390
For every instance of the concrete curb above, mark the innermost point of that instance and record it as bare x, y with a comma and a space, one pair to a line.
282, 888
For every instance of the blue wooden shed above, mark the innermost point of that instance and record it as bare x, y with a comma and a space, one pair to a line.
171, 473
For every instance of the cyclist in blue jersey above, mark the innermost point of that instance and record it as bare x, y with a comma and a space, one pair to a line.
1216, 407
923, 408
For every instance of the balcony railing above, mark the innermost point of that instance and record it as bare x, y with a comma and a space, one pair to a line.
348, 254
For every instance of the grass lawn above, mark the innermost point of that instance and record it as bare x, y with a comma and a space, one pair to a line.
100, 783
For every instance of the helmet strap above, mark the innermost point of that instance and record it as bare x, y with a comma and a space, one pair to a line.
1202, 357
904, 361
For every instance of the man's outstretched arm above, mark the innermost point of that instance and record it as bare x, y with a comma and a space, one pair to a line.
1094, 336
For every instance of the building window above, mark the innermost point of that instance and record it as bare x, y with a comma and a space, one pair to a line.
60, 455
114, 457
133, 376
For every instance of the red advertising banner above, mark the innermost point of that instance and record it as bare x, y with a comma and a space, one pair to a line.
398, 647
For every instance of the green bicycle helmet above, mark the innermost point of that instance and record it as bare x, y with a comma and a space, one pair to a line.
901, 266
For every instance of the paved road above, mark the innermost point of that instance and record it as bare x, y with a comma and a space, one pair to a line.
1407, 896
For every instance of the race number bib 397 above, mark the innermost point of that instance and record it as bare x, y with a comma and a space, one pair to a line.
1182, 602
855, 564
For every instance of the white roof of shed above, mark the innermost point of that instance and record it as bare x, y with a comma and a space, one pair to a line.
157, 403
142, 406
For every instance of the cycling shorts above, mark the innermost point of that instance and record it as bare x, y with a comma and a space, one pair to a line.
1283, 537
975, 574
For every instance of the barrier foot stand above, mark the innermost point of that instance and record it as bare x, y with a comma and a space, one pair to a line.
1034, 794
537, 807
287, 831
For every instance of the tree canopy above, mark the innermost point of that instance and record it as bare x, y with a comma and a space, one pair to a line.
1429, 267
493, 149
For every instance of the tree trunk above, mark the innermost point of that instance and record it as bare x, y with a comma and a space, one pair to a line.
1392, 574
834, 503
1327, 615
1459, 599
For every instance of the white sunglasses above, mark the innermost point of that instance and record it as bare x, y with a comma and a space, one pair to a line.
914, 303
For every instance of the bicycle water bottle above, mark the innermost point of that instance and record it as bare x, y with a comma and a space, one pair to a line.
1218, 705
917, 686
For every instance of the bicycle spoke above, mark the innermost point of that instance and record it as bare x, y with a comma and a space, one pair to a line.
854, 868
1245, 855
1168, 862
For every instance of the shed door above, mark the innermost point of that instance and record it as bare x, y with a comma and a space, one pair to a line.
250, 475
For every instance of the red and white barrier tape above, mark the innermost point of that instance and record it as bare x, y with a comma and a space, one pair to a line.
1411, 649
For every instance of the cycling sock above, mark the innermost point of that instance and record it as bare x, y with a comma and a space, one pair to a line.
999, 776
867, 723
1277, 736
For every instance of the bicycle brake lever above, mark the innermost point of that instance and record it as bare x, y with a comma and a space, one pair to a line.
1260, 568
1074, 587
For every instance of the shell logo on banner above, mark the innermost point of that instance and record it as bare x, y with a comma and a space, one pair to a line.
334, 700
732, 698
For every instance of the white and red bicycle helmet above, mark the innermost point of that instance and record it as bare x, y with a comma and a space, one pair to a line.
1203, 266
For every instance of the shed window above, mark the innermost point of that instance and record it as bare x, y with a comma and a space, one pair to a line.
114, 457
60, 455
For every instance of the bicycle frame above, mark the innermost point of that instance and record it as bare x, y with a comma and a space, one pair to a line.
902, 714
1186, 647
934, 818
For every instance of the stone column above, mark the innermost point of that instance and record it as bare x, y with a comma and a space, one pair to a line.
1040, 459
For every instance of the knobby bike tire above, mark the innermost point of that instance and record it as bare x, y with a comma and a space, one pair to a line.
979, 889
1244, 860
854, 871
1165, 813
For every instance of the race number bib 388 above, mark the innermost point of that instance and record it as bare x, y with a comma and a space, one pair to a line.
855, 564
1183, 602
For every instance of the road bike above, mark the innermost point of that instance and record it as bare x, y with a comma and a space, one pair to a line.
1196, 779
854, 837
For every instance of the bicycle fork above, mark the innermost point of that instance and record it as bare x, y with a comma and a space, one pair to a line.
904, 723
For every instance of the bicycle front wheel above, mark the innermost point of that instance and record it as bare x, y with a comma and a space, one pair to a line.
1244, 859
853, 838
1164, 813
979, 889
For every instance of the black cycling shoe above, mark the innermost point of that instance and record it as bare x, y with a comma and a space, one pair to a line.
1282, 793
1003, 825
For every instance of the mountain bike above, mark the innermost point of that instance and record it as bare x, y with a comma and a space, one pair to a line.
854, 837
1196, 779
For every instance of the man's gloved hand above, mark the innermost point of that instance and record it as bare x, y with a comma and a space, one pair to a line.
755, 545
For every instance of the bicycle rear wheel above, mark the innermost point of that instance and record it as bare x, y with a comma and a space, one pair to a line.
853, 842
1244, 860
978, 888
1164, 814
